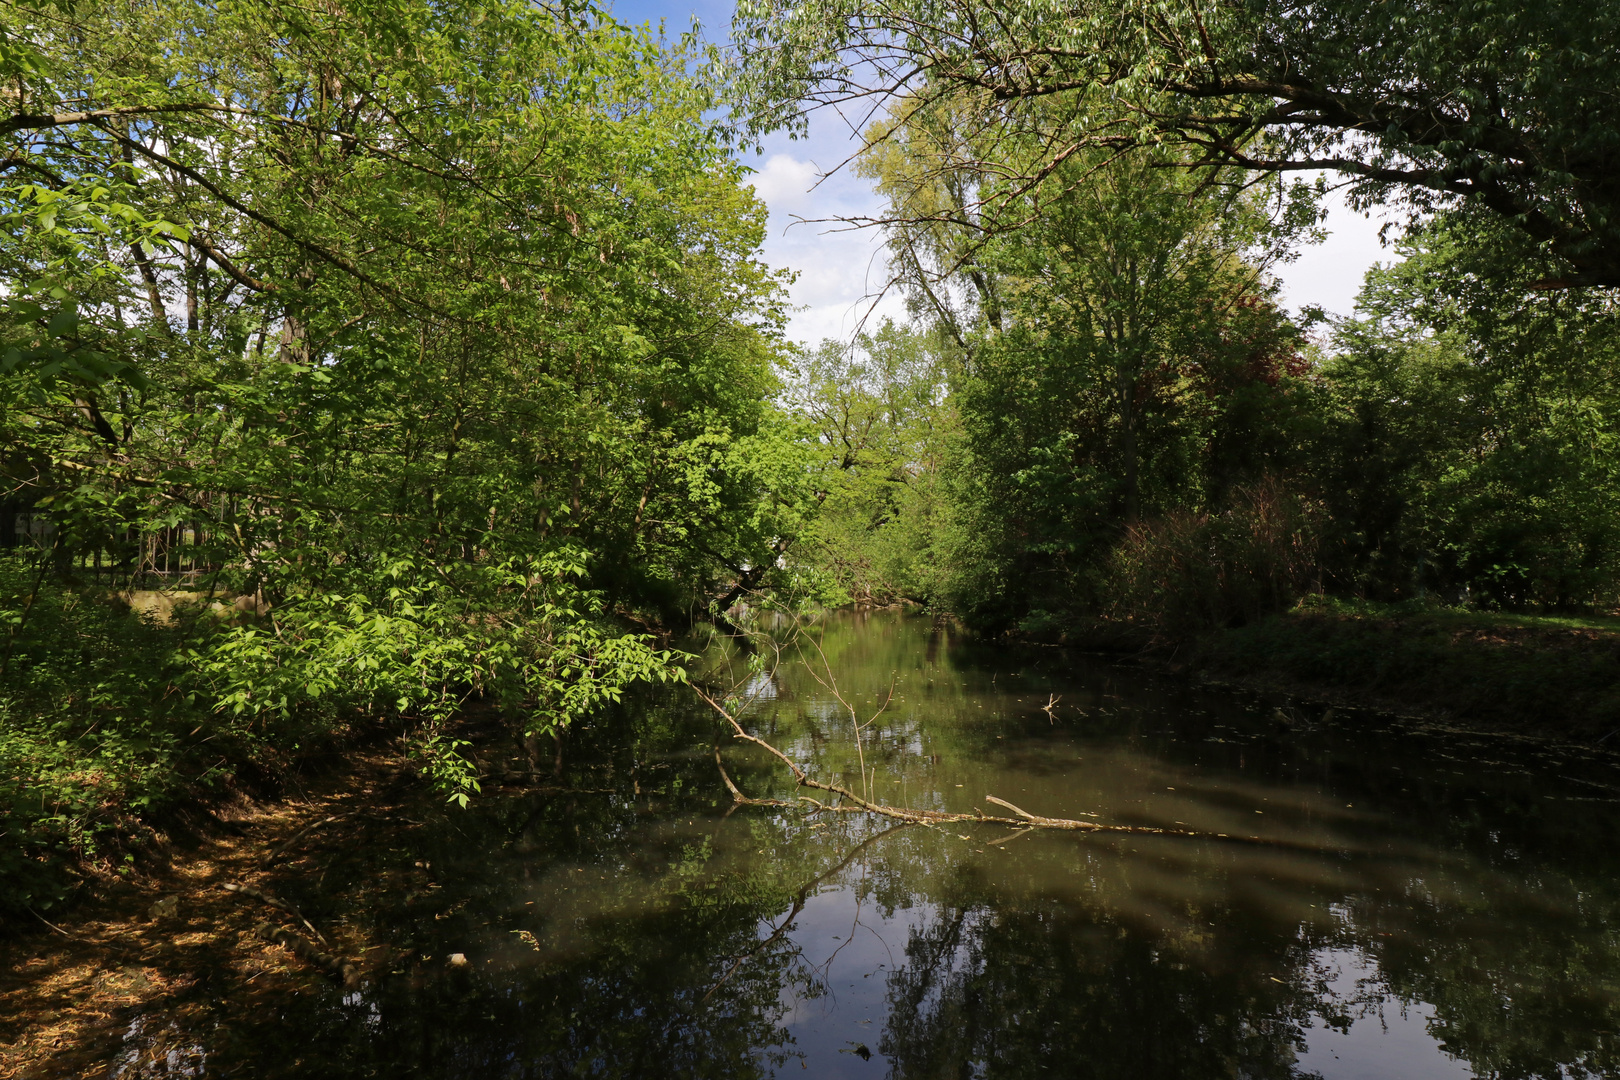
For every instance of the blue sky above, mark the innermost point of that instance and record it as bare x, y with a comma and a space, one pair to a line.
839, 270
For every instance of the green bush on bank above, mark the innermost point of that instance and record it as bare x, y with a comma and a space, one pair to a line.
95, 726
108, 716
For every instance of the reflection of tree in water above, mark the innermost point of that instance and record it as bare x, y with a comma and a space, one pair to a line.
1030, 992
1004, 991
1538, 998
1060, 959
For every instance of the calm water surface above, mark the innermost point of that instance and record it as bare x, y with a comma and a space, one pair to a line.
1421, 904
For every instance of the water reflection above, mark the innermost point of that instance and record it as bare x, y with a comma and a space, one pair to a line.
1395, 902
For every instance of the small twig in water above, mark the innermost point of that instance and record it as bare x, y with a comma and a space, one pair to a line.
343, 969
275, 902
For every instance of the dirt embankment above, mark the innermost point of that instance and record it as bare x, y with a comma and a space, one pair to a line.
222, 925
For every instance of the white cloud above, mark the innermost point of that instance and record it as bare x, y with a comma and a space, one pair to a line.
1330, 274
840, 269
784, 183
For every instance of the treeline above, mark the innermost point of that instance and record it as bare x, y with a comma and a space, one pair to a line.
1102, 418
1453, 441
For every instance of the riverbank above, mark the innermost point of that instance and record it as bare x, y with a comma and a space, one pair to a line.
1550, 676
174, 935
260, 900
620, 914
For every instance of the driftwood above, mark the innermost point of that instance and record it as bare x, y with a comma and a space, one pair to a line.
298, 945
855, 804
275, 902
301, 833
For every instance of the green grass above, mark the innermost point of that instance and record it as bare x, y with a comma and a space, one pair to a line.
1550, 674
1461, 618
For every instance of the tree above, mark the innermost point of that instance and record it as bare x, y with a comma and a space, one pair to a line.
1468, 429
437, 330
879, 422
1121, 327
1507, 106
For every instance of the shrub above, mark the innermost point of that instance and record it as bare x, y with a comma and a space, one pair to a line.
1185, 573
92, 729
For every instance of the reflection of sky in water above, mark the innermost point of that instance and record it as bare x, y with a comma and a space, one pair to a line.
852, 947
1387, 888
1386, 1040
1337, 868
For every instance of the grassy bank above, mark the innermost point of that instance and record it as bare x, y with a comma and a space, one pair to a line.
1538, 674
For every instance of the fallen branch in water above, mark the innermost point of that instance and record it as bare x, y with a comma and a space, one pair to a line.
857, 805
296, 944
736, 794
276, 902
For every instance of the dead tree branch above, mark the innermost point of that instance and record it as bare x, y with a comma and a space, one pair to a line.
276, 902
1024, 821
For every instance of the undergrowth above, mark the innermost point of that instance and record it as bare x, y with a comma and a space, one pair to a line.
109, 716
96, 726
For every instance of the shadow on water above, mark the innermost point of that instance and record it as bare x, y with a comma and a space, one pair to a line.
1441, 904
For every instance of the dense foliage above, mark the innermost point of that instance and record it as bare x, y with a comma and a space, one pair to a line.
1453, 441
878, 418
1135, 431
434, 332
1505, 106
360, 360
1468, 429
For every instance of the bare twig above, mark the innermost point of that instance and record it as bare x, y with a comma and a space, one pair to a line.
737, 796
53, 926
831, 684
275, 902
301, 833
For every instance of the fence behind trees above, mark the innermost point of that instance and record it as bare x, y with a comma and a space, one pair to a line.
180, 556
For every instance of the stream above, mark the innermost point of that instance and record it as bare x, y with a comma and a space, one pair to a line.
1391, 899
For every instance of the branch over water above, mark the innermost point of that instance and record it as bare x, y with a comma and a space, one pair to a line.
855, 804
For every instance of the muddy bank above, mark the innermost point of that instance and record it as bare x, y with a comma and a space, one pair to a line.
175, 942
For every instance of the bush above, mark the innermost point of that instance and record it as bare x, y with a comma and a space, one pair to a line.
1185, 574
108, 715
92, 729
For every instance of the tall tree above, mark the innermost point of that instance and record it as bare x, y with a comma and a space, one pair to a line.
439, 328
1510, 106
